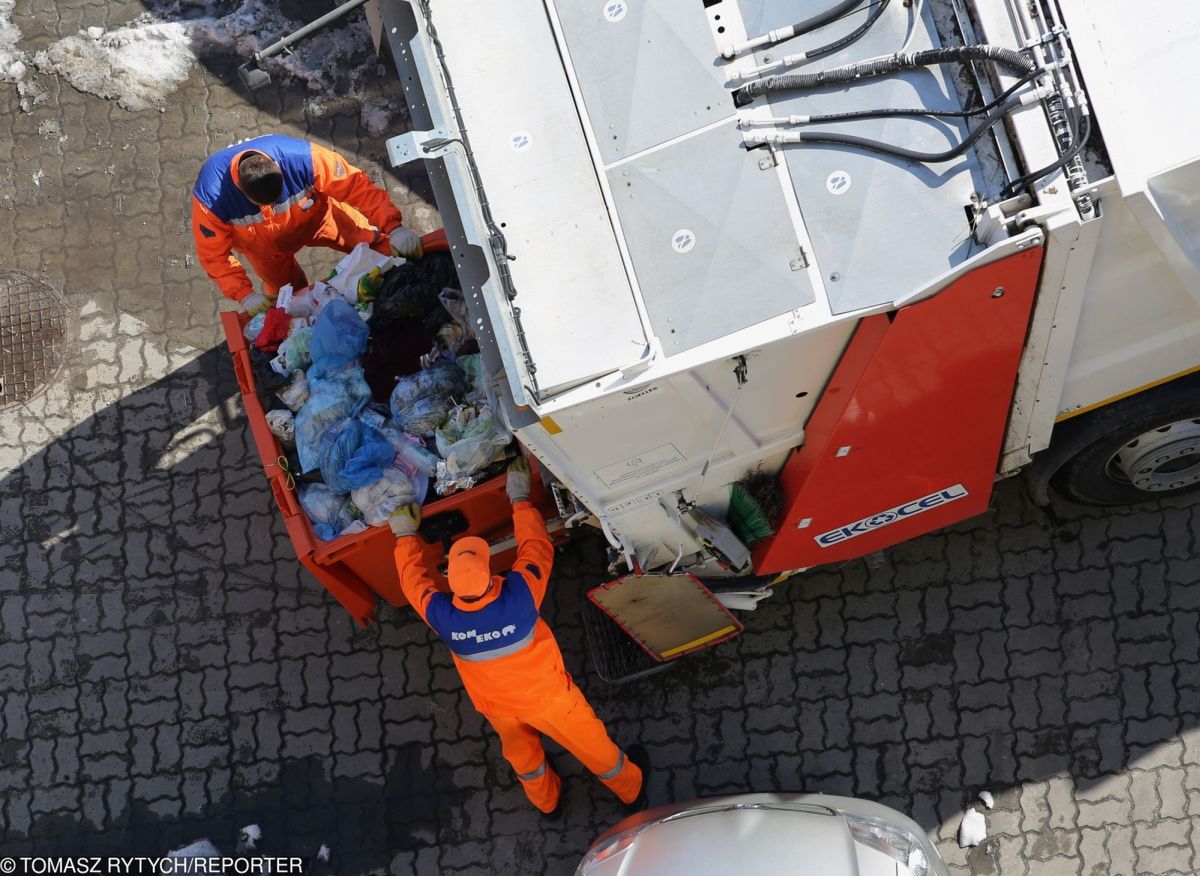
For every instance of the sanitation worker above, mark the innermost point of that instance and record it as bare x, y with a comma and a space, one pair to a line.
507, 656
270, 197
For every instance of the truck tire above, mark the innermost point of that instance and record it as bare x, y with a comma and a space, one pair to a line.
1139, 449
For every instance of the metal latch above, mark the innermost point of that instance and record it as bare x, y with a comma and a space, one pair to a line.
416, 145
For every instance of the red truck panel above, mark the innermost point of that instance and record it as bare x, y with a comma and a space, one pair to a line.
907, 436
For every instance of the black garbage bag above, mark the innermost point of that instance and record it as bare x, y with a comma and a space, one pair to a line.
267, 380
410, 292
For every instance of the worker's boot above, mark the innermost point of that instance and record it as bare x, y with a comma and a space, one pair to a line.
637, 754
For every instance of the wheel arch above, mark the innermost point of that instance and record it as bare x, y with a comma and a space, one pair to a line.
1074, 435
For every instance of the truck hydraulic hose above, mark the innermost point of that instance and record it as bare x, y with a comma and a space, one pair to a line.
852, 37
828, 49
834, 139
1009, 59
1082, 131
779, 34
829, 118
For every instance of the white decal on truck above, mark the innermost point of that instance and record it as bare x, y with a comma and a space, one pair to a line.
637, 467
890, 516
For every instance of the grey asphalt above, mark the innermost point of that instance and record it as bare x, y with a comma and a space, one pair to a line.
168, 672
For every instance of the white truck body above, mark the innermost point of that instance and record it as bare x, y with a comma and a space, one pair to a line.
623, 249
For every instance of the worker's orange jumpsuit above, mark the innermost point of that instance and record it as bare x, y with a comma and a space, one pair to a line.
512, 668
326, 201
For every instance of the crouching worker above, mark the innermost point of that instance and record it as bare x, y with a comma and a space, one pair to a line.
508, 658
270, 197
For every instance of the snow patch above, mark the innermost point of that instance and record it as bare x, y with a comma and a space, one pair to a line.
38, 176
199, 849
986, 798
137, 65
12, 59
251, 834
973, 829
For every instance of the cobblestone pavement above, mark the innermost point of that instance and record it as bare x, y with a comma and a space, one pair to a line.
167, 671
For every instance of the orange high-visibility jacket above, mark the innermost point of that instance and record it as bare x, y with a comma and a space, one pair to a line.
225, 220
508, 658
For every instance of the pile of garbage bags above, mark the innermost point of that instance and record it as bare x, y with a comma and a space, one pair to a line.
376, 389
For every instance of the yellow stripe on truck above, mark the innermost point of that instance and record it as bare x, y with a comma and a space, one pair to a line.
1108, 401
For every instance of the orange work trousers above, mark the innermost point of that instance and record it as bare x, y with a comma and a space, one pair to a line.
569, 721
342, 228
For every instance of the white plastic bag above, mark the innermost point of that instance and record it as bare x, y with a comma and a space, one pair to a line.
357, 262
282, 424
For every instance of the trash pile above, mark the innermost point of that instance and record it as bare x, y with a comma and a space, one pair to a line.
374, 386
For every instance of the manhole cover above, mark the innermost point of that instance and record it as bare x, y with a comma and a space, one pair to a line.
33, 336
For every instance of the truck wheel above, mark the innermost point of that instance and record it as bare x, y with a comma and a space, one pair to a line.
1146, 447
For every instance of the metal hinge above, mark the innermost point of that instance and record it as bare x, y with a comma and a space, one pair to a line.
416, 145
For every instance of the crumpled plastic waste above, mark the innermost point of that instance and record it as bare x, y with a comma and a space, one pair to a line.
410, 450
254, 326
442, 377
422, 416
353, 276
353, 455
339, 336
340, 395
275, 328
332, 514
477, 388
295, 392
471, 439
282, 424
380, 498
296, 350
420, 402
452, 299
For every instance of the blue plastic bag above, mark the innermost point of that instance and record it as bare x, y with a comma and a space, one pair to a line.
354, 455
339, 336
340, 395
330, 513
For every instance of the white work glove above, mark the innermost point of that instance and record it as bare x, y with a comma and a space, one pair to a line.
517, 482
405, 520
406, 243
256, 302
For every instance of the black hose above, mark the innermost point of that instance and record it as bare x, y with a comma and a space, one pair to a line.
954, 114
908, 154
1009, 59
822, 18
1081, 132
853, 36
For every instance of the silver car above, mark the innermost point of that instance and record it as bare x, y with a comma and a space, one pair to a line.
764, 834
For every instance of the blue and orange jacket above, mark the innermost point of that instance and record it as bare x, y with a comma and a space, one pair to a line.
224, 219
508, 658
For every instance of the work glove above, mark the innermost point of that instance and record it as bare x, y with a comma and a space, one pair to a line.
406, 243
405, 520
517, 483
256, 302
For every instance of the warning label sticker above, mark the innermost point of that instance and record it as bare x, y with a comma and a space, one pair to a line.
642, 466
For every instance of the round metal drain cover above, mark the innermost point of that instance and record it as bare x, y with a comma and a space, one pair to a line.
33, 336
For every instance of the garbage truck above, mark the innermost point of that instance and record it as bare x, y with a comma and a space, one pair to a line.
766, 286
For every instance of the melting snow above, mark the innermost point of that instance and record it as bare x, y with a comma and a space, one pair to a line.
137, 65
199, 849
987, 799
973, 829
251, 834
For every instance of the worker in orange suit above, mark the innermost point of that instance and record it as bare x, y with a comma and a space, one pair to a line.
508, 658
270, 197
